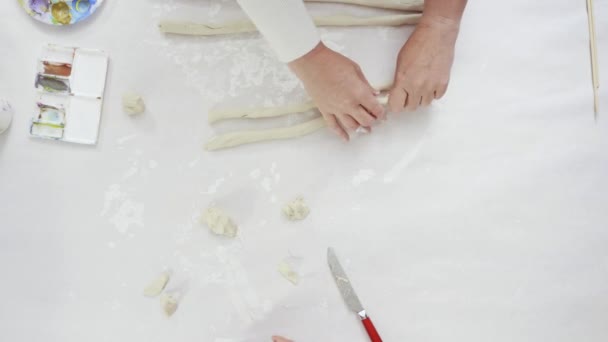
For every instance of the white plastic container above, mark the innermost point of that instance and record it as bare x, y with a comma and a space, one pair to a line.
6, 115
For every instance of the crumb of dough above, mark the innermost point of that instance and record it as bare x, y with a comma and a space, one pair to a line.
133, 104
288, 273
219, 222
296, 210
156, 286
168, 303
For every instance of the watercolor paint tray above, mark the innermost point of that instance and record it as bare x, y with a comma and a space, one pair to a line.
70, 83
60, 12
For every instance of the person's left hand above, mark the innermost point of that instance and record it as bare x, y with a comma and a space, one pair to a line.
423, 65
280, 339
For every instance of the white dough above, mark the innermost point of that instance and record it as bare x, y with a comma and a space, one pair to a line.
6, 115
219, 223
268, 112
296, 210
157, 286
288, 273
168, 304
385, 20
133, 104
248, 137
404, 5
256, 113
242, 26
206, 29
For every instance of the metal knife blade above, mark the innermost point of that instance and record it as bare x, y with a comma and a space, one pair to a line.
343, 283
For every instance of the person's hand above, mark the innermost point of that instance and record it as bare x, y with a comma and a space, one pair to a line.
280, 339
423, 65
339, 89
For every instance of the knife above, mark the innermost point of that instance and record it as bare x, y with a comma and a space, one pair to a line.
349, 295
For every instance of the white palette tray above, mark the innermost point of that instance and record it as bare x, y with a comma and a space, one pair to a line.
70, 83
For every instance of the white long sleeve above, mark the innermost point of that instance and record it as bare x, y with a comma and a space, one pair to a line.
285, 24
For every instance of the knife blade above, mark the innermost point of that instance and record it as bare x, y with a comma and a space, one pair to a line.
349, 295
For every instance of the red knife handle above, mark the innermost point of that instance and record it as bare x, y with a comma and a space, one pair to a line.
371, 330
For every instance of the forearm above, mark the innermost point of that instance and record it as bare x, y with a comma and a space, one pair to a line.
285, 24
308, 60
444, 10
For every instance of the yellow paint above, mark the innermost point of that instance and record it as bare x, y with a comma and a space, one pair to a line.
61, 13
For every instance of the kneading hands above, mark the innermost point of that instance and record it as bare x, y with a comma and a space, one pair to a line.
337, 85
423, 65
339, 89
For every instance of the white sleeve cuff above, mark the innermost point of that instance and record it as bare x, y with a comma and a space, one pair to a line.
285, 24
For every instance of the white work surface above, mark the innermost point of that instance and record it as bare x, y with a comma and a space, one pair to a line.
482, 218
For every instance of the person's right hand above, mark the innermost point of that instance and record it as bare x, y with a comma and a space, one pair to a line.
339, 89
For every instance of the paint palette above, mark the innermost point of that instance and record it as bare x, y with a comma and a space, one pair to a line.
70, 83
60, 12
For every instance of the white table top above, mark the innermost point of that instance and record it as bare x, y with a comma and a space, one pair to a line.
483, 218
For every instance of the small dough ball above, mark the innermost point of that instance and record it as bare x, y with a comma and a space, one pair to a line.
288, 273
219, 222
133, 104
168, 304
156, 286
6, 115
296, 210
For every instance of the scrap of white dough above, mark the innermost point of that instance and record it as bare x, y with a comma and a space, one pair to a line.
382, 99
242, 26
133, 104
296, 210
168, 303
157, 286
288, 273
404, 5
219, 223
